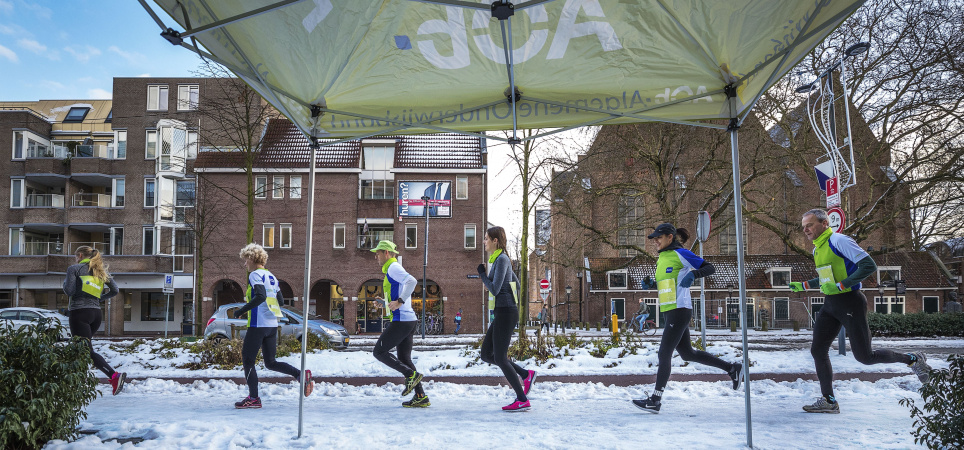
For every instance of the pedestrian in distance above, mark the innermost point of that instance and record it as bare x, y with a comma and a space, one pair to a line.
841, 266
458, 321
397, 287
263, 308
502, 284
87, 285
545, 318
676, 268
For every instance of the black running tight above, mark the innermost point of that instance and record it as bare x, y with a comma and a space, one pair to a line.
266, 340
676, 336
398, 335
84, 323
495, 348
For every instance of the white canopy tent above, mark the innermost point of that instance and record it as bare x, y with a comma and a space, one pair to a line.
350, 69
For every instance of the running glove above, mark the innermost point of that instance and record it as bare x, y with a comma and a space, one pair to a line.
238, 313
829, 288
797, 286
687, 280
481, 269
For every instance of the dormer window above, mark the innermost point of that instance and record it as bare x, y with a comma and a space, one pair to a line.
779, 277
888, 275
377, 179
76, 114
618, 280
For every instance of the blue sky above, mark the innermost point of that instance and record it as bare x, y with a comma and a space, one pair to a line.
72, 49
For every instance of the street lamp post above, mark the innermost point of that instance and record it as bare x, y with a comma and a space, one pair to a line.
568, 319
425, 200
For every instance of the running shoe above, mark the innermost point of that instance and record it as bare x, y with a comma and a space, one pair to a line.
410, 382
249, 403
736, 374
309, 383
649, 404
117, 381
920, 367
823, 406
528, 381
517, 406
417, 402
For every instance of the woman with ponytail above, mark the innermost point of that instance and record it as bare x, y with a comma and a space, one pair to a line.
87, 285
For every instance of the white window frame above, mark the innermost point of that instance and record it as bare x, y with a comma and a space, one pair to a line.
900, 273
114, 190
153, 240
192, 144
261, 192
264, 235
185, 104
150, 136
153, 202
410, 226
154, 92
285, 227
465, 236
889, 301
19, 242
612, 301
294, 187
609, 279
120, 136
338, 228
774, 270
23, 146
461, 193
113, 241
278, 186
781, 299
19, 201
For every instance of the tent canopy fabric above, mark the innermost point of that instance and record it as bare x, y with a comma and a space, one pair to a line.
394, 66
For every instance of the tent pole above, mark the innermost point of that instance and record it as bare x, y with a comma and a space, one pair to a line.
740, 269
316, 116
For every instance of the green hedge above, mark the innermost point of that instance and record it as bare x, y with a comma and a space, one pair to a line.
916, 324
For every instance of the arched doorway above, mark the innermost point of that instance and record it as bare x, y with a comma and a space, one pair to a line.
227, 291
371, 312
434, 309
328, 301
286, 293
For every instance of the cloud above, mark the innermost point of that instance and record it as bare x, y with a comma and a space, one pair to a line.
38, 48
7, 29
144, 75
83, 55
6, 6
131, 57
40, 11
51, 85
99, 94
9, 54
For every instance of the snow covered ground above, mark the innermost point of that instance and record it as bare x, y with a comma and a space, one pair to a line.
167, 414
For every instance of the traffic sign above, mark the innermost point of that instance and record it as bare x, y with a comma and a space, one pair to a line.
703, 226
544, 294
837, 218
544, 284
833, 192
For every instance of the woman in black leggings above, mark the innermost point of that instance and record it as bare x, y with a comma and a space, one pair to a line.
676, 269
501, 283
88, 284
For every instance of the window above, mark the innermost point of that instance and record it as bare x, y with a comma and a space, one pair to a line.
618, 280
469, 234
286, 235
153, 306
781, 308
120, 144
728, 234
411, 235
150, 192
889, 305
187, 96
779, 277
157, 98
110, 117
117, 240
183, 242
294, 189
18, 145
461, 188
150, 146
16, 241
150, 241
261, 187
117, 198
185, 193
931, 304
267, 235
278, 186
191, 144
618, 307
888, 275
377, 232
631, 231
76, 115
815, 304
377, 180
17, 195
338, 239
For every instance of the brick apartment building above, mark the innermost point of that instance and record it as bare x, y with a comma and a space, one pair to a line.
359, 188
637, 176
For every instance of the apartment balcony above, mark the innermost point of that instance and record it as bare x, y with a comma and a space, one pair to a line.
45, 201
44, 215
43, 248
54, 152
95, 200
84, 165
93, 214
119, 264
45, 165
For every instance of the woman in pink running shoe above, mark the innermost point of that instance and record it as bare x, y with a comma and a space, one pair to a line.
502, 284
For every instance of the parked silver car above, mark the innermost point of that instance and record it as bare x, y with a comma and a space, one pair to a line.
20, 316
219, 326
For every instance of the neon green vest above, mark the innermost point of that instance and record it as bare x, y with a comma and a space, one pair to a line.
512, 284
272, 303
668, 267
830, 267
90, 284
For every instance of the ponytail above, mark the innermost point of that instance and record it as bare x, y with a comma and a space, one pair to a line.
682, 235
97, 267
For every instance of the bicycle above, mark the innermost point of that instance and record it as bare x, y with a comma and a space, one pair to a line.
648, 327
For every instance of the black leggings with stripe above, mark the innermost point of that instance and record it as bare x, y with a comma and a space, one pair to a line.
676, 336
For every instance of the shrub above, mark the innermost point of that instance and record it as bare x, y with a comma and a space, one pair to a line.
227, 353
941, 423
916, 324
45, 385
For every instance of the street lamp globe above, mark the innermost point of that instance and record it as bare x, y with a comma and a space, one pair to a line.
568, 290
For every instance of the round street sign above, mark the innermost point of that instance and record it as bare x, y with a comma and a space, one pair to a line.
544, 284
837, 219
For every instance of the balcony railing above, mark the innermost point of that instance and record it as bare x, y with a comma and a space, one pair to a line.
45, 200
100, 246
99, 200
48, 152
43, 248
93, 151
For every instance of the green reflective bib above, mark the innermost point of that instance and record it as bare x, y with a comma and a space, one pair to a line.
91, 285
830, 267
515, 295
667, 294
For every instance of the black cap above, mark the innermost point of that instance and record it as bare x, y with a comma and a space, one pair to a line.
661, 229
